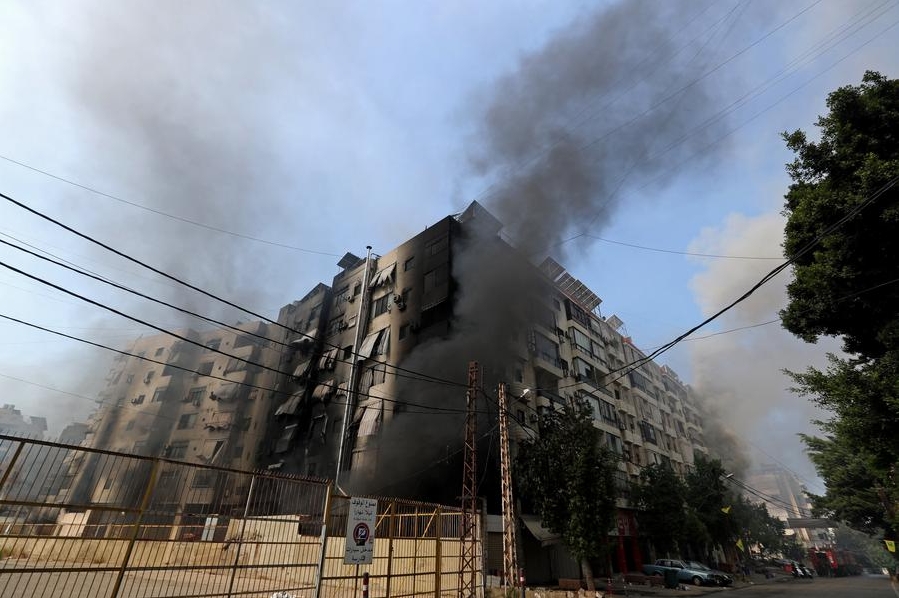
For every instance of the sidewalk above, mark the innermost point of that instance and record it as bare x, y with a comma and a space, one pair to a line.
620, 589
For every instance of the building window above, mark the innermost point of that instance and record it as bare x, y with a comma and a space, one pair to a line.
334, 326
357, 288
607, 412
580, 340
379, 306
546, 348
340, 296
138, 400
120, 402
214, 344
404, 331
436, 246
556, 305
130, 425
159, 351
159, 395
347, 352
435, 278
177, 450
129, 378
187, 421
614, 443
649, 432
196, 395
203, 479
409, 264
149, 376
205, 368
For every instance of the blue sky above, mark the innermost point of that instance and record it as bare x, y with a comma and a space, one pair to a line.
331, 126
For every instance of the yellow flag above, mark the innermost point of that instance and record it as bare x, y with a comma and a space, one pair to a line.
891, 545
740, 545
726, 510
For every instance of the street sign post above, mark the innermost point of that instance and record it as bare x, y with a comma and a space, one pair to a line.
360, 531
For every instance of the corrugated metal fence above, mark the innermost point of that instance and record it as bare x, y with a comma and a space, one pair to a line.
84, 522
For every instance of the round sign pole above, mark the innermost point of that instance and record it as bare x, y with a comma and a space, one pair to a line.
365, 585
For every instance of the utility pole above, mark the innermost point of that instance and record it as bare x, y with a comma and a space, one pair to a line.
510, 556
468, 586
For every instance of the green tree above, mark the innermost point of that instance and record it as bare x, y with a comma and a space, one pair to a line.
706, 496
659, 499
755, 526
844, 204
567, 478
844, 287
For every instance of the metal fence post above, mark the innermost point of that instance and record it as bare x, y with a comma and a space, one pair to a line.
243, 535
323, 541
438, 566
145, 500
391, 531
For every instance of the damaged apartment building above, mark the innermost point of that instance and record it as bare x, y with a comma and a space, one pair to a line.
366, 380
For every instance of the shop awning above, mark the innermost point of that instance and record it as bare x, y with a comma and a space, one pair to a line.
301, 370
323, 391
383, 276
370, 420
290, 406
543, 535
368, 345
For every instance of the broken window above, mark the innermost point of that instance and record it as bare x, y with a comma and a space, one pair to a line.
290, 406
187, 421
283, 443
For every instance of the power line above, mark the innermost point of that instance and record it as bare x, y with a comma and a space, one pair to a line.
431, 408
420, 375
712, 255
162, 213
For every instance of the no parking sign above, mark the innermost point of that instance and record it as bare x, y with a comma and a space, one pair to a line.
360, 531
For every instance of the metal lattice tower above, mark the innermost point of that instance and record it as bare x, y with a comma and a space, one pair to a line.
510, 552
468, 583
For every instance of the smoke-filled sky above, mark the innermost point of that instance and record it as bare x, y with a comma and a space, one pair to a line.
247, 146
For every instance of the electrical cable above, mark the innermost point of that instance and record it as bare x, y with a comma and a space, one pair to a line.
123, 255
245, 384
162, 213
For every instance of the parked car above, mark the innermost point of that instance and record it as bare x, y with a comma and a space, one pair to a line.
688, 572
722, 579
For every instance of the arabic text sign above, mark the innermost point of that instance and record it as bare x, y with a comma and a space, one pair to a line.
360, 531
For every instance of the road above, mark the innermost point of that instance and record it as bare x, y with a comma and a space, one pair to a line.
867, 586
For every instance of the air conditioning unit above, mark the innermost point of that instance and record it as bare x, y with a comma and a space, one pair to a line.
350, 298
534, 418
342, 326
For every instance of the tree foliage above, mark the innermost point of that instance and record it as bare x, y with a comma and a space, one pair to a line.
567, 478
659, 498
848, 286
843, 287
707, 495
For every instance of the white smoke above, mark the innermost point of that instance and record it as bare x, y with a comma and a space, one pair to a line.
741, 371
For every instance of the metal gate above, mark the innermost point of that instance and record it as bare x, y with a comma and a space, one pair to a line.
85, 522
